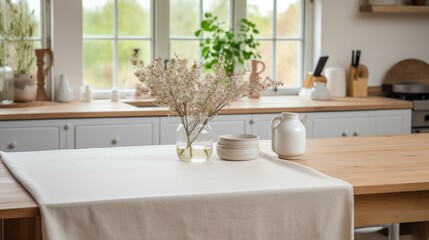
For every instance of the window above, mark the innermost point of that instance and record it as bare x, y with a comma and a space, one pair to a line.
185, 18
39, 22
280, 23
112, 28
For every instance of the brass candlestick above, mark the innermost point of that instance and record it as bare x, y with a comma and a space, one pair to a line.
42, 72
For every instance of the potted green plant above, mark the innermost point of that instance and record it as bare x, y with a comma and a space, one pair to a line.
236, 47
19, 30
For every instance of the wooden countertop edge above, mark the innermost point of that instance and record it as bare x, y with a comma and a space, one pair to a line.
394, 188
18, 212
132, 111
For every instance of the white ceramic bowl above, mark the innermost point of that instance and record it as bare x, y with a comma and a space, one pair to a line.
237, 154
244, 147
239, 140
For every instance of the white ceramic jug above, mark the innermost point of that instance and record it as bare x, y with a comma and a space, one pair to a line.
288, 136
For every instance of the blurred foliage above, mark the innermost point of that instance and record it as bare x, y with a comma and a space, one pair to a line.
134, 21
234, 46
18, 26
288, 52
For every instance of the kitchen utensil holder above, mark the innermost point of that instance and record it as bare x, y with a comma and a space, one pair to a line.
358, 81
310, 80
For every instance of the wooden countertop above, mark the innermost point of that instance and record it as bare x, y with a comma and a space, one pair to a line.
265, 104
382, 164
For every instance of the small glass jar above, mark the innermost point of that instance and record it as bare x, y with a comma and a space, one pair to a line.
6, 85
195, 147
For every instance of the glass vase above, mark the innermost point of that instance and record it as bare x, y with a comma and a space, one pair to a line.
194, 145
6, 85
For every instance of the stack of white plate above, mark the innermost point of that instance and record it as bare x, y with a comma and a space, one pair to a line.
239, 147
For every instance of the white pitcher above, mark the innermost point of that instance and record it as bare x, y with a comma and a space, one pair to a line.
288, 136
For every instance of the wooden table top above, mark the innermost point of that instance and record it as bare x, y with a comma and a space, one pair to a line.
264, 104
15, 201
381, 164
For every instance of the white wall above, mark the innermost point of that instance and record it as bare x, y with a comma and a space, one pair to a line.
67, 42
384, 39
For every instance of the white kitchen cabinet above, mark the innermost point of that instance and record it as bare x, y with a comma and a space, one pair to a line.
393, 122
358, 123
221, 124
32, 135
115, 132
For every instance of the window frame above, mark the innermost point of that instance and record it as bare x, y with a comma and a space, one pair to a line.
71, 12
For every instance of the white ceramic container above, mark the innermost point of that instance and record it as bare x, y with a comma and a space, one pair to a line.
288, 136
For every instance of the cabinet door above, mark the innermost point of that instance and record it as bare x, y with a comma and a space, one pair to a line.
261, 124
393, 122
16, 136
222, 124
341, 124
93, 133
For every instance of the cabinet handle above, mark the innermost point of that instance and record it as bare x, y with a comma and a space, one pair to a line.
67, 126
115, 141
12, 145
356, 133
251, 121
344, 134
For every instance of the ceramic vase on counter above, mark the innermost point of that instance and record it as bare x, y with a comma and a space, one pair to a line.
64, 93
25, 88
254, 76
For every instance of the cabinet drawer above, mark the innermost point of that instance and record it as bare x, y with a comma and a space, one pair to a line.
345, 124
29, 138
114, 135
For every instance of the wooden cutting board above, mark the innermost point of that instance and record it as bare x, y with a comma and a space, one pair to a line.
408, 70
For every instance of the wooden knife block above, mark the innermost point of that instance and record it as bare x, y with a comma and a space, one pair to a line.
310, 80
357, 85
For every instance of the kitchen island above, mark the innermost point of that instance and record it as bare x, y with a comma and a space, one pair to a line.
389, 175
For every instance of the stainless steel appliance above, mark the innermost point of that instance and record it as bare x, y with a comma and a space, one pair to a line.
409, 80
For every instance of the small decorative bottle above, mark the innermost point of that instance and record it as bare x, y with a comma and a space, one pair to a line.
86, 93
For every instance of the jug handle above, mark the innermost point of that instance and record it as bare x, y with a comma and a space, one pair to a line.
303, 120
274, 126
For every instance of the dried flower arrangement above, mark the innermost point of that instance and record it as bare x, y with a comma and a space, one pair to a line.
191, 95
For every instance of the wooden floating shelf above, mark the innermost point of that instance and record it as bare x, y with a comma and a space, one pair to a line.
394, 9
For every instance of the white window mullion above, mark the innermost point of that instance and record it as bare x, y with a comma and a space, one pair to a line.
115, 45
238, 12
274, 55
161, 35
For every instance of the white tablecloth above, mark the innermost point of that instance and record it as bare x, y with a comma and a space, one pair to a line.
147, 193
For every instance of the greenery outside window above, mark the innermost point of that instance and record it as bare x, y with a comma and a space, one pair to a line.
161, 28
111, 29
281, 26
40, 30
185, 17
